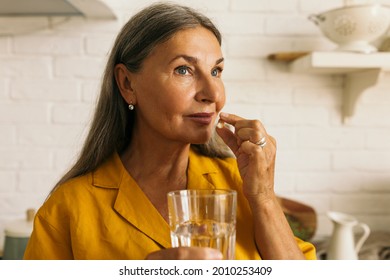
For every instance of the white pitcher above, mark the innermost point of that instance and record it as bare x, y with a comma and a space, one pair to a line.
342, 244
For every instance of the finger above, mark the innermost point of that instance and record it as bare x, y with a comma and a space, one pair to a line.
186, 253
229, 118
238, 122
246, 130
250, 134
252, 130
227, 136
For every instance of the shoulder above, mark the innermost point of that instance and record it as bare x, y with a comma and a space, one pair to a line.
88, 190
65, 197
56, 211
106, 176
76, 200
71, 189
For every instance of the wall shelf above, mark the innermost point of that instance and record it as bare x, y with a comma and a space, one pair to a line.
361, 72
92, 9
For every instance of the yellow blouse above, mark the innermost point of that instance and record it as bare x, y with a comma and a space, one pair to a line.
105, 215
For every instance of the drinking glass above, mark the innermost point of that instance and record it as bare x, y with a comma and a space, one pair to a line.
204, 218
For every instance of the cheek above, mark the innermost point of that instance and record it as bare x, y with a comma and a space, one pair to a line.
222, 98
167, 105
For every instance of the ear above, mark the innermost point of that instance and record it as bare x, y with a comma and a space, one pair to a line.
123, 79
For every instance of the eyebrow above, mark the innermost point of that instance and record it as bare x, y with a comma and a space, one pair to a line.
194, 60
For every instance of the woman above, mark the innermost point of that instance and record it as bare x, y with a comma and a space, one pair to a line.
153, 132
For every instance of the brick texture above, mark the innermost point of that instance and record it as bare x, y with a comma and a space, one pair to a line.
50, 71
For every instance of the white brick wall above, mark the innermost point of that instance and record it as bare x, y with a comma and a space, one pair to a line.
50, 72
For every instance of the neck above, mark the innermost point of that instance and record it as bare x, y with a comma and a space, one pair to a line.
157, 166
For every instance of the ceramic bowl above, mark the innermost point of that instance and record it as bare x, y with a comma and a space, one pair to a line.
354, 28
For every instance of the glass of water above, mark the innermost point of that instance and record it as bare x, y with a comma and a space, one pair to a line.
204, 218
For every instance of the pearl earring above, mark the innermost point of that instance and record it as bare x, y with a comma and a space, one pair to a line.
131, 107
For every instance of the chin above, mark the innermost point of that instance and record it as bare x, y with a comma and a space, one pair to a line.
197, 136
202, 140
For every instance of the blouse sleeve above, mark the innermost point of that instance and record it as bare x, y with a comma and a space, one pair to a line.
47, 242
307, 249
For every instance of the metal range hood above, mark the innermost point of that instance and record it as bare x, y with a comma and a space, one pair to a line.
85, 8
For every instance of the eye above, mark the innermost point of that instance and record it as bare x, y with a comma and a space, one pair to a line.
183, 70
216, 72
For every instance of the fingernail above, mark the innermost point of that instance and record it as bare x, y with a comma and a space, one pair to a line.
215, 254
224, 115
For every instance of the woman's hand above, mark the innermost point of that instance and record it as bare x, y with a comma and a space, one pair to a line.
256, 163
186, 253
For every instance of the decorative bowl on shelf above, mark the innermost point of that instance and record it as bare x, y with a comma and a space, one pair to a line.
301, 217
354, 28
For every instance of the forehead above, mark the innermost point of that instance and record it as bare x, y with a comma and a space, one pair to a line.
191, 41
198, 31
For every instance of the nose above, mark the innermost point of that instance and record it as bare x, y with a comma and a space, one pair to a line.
210, 89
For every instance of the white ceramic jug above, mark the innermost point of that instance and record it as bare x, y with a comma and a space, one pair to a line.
342, 245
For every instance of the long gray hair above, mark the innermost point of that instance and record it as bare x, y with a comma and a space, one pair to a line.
111, 127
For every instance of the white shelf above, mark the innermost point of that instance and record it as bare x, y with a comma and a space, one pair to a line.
94, 9
361, 71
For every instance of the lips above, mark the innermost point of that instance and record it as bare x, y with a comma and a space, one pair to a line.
201, 118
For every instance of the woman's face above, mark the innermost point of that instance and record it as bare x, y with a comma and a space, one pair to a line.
179, 91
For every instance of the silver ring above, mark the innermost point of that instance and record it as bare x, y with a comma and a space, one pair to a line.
262, 142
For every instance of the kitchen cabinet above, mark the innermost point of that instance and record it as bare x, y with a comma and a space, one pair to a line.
360, 71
